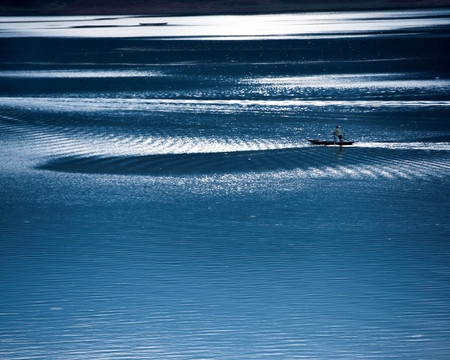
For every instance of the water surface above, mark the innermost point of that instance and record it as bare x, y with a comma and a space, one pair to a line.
160, 199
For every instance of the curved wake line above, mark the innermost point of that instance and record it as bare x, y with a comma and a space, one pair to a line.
314, 162
72, 139
417, 145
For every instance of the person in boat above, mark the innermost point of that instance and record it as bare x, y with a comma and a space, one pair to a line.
337, 133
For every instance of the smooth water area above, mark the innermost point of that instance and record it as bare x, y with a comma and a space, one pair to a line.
160, 199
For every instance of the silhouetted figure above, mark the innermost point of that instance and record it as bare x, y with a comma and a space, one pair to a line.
337, 133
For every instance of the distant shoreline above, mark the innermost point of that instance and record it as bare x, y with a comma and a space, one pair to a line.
212, 7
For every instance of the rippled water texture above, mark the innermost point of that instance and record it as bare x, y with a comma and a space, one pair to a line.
160, 199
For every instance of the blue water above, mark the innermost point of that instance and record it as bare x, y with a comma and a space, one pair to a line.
160, 199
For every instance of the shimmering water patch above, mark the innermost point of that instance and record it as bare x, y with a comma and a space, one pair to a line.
212, 105
78, 74
355, 81
237, 27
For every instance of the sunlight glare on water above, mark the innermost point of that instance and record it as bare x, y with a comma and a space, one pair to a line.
348, 81
318, 25
90, 74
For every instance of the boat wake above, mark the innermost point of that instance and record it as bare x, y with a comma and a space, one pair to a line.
355, 163
112, 146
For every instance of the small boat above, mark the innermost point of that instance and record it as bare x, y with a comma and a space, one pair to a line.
327, 142
153, 24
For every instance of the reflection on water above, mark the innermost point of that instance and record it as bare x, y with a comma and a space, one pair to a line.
338, 152
238, 27
160, 199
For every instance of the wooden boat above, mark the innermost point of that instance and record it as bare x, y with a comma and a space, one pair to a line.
326, 142
153, 24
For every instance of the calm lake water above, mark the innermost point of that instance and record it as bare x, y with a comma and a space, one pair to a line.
160, 199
